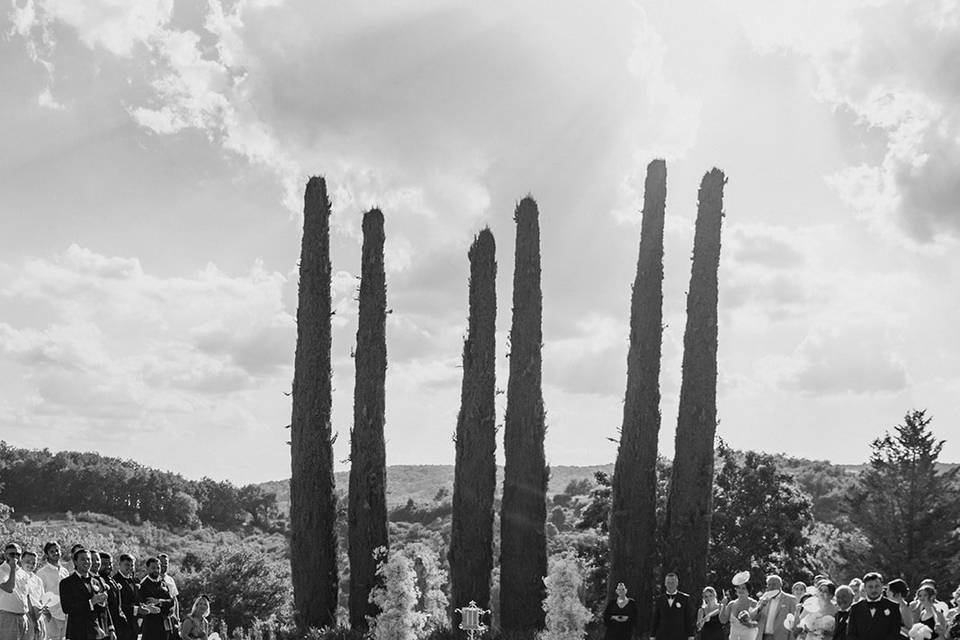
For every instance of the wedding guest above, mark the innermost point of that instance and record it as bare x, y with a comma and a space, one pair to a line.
737, 612
672, 613
174, 592
857, 586
844, 599
154, 591
14, 596
708, 616
84, 600
196, 626
898, 592
927, 613
130, 603
874, 617
51, 573
113, 592
619, 616
39, 614
772, 609
819, 613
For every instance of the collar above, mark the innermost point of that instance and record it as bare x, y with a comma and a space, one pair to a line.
147, 577
873, 601
77, 573
672, 595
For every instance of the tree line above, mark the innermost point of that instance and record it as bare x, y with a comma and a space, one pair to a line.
39, 481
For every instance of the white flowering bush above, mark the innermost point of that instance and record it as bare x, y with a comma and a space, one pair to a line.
397, 598
430, 580
567, 617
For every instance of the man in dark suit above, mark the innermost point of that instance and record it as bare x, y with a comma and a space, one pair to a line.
113, 592
874, 617
672, 613
154, 591
130, 604
844, 597
83, 597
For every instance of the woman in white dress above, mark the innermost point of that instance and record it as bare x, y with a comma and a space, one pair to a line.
737, 612
818, 618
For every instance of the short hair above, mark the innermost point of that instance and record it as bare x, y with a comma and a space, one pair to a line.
873, 576
29, 553
898, 587
928, 581
50, 545
162, 556
152, 560
94, 552
125, 557
78, 552
671, 574
105, 556
74, 548
774, 576
798, 583
829, 586
12, 545
843, 590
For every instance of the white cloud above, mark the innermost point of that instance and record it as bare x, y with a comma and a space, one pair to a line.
893, 65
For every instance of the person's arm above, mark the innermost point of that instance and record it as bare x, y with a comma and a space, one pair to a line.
186, 626
689, 618
11, 581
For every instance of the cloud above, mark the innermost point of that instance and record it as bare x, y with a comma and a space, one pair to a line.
858, 358
892, 65
128, 349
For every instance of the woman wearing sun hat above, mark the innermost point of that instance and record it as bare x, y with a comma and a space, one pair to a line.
737, 611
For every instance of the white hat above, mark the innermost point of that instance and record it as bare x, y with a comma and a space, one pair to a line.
741, 578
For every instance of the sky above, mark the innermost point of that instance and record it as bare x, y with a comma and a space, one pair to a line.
153, 155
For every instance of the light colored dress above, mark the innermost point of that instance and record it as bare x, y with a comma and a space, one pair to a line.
739, 630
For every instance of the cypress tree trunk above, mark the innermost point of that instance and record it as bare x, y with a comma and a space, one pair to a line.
634, 487
367, 515
690, 501
474, 478
313, 502
523, 552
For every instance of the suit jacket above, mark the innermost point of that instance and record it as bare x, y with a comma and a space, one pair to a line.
840, 630
85, 620
878, 620
113, 600
673, 617
786, 604
156, 626
129, 598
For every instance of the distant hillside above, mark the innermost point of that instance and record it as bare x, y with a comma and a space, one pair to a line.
421, 483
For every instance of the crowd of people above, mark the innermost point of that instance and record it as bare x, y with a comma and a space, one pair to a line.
864, 609
99, 599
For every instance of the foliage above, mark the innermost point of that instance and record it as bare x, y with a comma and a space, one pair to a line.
761, 519
244, 584
566, 616
906, 508
40, 481
422, 513
396, 598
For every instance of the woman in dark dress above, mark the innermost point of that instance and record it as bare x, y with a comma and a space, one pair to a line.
708, 617
620, 616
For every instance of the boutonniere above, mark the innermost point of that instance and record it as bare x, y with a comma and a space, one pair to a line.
677, 605
886, 612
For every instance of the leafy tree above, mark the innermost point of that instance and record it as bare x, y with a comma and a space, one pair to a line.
183, 510
689, 505
906, 507
244, 584
761, 519
523, 551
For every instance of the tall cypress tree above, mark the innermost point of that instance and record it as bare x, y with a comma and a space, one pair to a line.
474, 478
690, 500
313, 502
523, 552
634, 487
367, 514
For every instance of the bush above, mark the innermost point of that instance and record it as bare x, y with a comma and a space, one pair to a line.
567, 617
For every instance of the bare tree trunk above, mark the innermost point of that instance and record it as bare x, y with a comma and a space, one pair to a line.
633, 520
367, 515
313, 501
523, 553
474, 480
690, 501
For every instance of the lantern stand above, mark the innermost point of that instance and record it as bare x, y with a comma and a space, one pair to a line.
470, 620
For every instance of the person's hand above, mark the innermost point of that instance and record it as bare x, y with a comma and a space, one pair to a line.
99, 598
113, 635
12, 563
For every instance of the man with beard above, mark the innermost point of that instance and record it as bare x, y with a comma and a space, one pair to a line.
874, 617
154, 591
113, 593
51, 573
83, 597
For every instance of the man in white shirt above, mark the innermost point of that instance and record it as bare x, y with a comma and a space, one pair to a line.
51, 573
14, 598
174, 592
37, 618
